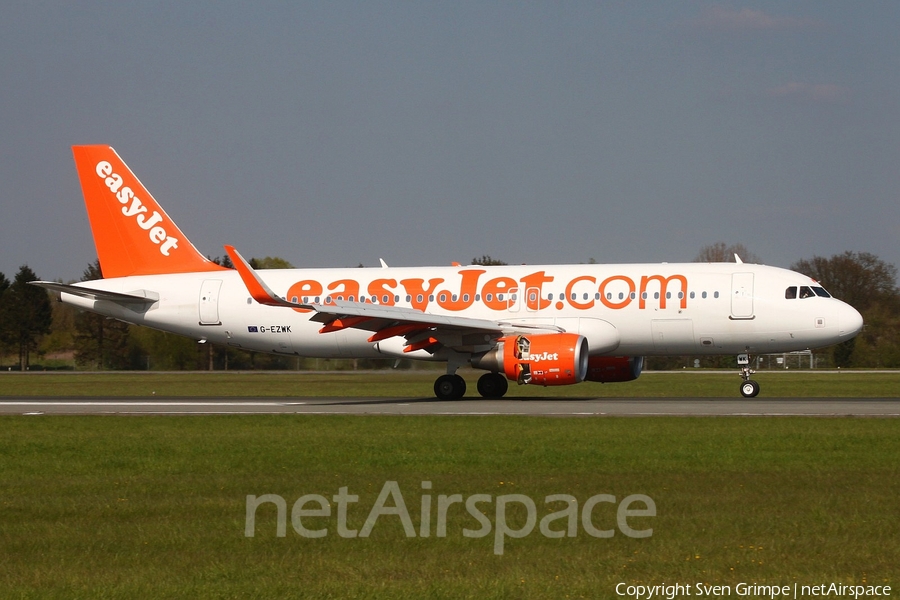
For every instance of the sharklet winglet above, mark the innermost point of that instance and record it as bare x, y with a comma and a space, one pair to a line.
258, 289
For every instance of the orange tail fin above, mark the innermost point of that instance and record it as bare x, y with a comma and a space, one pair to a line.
132, 233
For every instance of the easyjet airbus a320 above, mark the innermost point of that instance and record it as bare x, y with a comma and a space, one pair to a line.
535, 325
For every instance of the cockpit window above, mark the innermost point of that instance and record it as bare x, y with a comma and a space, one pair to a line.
806, 291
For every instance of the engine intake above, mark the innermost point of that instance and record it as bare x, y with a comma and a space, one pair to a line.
542, 359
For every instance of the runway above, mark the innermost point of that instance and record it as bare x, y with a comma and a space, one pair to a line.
568, 407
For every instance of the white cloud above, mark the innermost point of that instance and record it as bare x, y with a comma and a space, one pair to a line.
717, 18
817, 92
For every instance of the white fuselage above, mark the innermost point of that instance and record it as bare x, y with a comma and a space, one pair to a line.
622, 309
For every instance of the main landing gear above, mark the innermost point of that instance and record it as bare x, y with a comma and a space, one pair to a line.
492, 385
749, 388
453, 387
450, 387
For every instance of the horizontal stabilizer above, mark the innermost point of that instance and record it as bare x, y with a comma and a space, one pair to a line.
93, 294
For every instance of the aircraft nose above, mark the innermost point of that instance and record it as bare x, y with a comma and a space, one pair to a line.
850, 321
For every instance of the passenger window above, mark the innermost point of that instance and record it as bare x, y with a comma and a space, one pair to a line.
806, 291
790, 293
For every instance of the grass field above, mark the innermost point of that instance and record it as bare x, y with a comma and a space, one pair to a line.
413, 384
128, 507
125, 507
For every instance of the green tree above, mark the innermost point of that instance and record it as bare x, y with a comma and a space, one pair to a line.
100, 342
721, 252
25, 315
869, 284
860, 279
487, 261
4, 285
61, 339
163, 351
223, 261
270, 262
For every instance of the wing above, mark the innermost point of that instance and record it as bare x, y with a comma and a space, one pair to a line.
422, 330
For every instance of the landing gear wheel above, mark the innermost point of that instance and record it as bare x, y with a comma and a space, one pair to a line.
449, 387
492, 385
749, 389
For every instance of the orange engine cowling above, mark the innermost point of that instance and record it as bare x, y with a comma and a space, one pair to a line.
608, 369
541, 359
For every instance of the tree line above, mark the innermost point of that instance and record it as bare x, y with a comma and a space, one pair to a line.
35, 326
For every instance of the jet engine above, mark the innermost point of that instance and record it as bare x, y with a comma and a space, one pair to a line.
541, 359
608, 369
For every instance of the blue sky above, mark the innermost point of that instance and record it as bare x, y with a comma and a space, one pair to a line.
334, 133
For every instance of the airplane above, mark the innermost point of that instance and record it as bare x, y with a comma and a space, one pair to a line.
543, 325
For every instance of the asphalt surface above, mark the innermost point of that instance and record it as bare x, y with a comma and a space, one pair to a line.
567, 407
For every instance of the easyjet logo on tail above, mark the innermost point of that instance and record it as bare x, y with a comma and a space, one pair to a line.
134, 208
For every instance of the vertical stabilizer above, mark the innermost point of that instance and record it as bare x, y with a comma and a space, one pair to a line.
132, 233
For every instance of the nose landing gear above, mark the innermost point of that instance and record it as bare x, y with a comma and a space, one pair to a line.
749, 388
